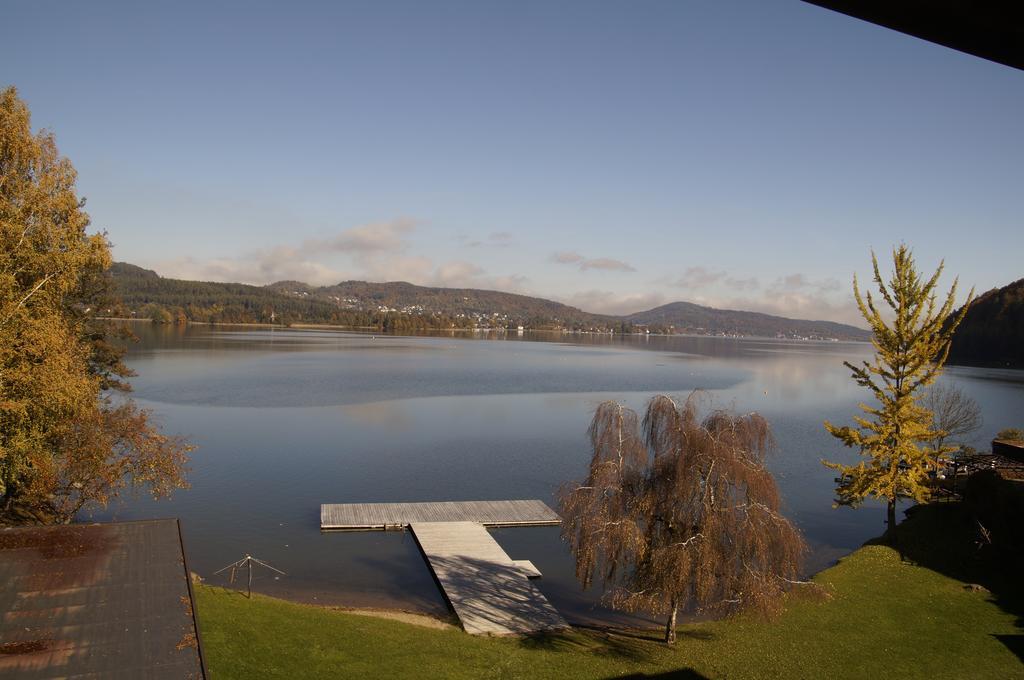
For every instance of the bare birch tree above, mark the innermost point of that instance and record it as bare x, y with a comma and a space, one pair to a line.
954, 414
679, 512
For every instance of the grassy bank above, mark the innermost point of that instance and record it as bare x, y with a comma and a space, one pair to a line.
888, 616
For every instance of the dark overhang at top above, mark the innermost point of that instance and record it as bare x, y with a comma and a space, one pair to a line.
990, 29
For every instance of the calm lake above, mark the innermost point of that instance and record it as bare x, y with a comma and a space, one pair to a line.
284, 420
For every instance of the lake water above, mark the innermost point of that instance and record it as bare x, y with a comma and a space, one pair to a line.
284, 420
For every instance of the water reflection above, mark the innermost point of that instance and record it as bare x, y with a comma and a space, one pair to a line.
286, 420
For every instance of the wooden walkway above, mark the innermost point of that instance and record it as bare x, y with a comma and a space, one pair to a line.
490, 593
368, 516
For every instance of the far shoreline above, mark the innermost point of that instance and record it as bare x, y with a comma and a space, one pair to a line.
470, 331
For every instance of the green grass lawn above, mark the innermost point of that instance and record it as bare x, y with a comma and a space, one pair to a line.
888, 617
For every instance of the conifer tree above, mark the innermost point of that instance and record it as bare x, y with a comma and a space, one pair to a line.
893, 436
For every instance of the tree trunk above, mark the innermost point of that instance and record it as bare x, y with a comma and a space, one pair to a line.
670, 627
7, 503
891, 521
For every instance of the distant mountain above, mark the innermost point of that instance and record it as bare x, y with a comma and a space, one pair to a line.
403, 306
687, 317
143, 292
395, 306
399, 296
123, 270
992, 332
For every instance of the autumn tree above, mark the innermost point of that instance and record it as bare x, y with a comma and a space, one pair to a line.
65, 441
1011, 433
680, 512
911, 345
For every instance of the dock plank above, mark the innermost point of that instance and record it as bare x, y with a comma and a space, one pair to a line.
369, 516
490, 593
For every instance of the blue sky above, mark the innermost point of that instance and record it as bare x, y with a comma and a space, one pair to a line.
613, 155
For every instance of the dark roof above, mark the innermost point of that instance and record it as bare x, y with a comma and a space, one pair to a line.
97, 600
1009, 448
993, 29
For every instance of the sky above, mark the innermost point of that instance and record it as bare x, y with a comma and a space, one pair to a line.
611, 155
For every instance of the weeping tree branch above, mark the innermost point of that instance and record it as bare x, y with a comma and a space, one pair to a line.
667, 531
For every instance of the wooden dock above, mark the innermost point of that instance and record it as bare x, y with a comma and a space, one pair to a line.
490, 593
371, 516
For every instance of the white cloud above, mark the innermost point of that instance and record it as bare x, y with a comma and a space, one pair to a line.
695, 278
382, 251
799, 282
394, 267
366, 238
456, 274
792, 304
750, 283
260, 269
808, 306
795, 295
607, 264
496, 239
566, 257
512, 283
585, 263
698, 277
374, 252
610, 302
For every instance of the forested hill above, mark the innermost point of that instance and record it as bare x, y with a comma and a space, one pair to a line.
399, 296
403, 306
680, 317
145, 293
992, 332
385, 306
687, 317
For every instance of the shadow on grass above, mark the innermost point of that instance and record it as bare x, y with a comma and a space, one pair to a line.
651, 635
945, 538
636, 649
637, 646
231, 590
680, 674
1015, 643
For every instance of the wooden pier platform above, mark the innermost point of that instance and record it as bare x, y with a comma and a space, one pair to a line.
370, 516
490, 593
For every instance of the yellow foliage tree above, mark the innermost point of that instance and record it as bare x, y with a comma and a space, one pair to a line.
894, 436
63, 442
